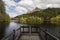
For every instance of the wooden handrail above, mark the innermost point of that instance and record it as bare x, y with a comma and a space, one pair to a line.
17, 29
14, 31
52, 36
13, 34
7, 36
49, 34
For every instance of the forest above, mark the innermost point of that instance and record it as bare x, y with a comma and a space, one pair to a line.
3, 15
50, 15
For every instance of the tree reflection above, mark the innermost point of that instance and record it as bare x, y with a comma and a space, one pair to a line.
3, 26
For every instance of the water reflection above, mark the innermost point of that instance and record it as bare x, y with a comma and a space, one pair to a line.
3, 26
11, 27
7, 27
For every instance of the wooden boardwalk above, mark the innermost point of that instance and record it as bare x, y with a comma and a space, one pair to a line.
27, 36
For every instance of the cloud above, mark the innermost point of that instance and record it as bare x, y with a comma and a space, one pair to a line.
12, 15
14, 8
20, 9
54, 5
51, 1
9, 3
43, 4
28, 2
17, 8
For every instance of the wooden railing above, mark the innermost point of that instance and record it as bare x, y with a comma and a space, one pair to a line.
47, 35
17, 33
14, 35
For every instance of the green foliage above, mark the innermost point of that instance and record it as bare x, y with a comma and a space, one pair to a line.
3, 15
55, 20
23, 20
31, 20
34, 20
7, 17
48, 15
2, 7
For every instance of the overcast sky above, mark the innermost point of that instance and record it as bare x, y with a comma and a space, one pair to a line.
18, 7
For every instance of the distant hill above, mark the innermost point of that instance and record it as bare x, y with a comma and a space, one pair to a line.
49, 12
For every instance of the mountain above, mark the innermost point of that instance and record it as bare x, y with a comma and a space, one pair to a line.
46, 13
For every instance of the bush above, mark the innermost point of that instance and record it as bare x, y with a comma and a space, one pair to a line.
55, 20
23, 20
31, 20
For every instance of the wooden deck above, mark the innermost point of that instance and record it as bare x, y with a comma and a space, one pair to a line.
18, 34
32, 36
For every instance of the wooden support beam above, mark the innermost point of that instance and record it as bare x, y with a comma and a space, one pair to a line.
20, 30
30, 30
23, 29
13, 34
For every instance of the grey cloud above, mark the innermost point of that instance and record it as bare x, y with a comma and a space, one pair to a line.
54, 5
43, 4
51, 1
28, 7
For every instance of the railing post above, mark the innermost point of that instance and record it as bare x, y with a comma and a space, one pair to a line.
20, 30
39, 30
45, 35
13, 34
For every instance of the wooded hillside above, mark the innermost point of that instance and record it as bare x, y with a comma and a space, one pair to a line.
50, 15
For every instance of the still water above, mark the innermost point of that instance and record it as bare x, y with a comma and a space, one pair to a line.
7, 27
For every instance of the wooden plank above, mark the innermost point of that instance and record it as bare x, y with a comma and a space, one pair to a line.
27, 36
